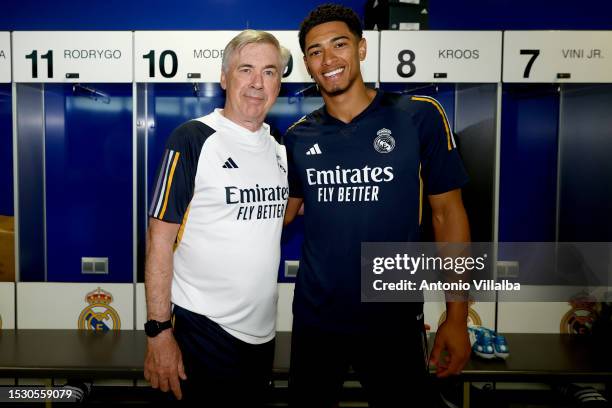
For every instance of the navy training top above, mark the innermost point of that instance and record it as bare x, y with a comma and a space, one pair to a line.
363, 181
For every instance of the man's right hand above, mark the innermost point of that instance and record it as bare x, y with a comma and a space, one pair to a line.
164, 363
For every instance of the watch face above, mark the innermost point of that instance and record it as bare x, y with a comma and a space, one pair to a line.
151, 328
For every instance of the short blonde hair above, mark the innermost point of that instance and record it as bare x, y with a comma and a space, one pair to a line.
251, 37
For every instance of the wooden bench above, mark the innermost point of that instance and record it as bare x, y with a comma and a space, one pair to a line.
120, 354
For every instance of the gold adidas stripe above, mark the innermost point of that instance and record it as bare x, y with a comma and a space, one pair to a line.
441, 111
170, 177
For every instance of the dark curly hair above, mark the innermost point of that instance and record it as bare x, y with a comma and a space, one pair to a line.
326, 13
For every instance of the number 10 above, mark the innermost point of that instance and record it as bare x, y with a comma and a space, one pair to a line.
162, 63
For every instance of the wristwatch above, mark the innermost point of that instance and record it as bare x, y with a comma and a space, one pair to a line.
153, 327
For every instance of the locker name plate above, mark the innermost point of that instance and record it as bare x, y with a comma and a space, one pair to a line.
75, 56
179, 56
558, 56
196, 56
440, 56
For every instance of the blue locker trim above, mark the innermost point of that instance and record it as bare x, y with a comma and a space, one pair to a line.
586, 168
475, 128
528, 163
31, 198
6, 150
89, 182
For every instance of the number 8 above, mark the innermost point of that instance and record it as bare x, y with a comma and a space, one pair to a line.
406, 62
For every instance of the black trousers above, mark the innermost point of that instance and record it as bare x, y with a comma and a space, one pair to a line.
222, 371
390, 363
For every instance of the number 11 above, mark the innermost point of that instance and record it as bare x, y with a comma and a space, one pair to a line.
34, 57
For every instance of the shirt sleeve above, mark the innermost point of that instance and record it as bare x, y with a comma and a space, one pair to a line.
441, 166
174, 185
295, 183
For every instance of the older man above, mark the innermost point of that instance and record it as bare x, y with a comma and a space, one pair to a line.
213, 244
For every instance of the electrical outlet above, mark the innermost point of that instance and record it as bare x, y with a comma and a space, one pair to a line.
97, 266
291, 268
507, 269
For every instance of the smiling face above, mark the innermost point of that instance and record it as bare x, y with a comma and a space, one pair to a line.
252, 83
333, 55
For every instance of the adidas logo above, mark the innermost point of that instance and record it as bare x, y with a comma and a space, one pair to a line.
314, 150
230, 164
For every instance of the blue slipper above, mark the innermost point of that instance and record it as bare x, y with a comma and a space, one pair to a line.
482, 342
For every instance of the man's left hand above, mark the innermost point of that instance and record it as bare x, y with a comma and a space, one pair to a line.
453, 338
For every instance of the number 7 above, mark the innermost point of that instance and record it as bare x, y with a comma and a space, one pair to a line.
534, 54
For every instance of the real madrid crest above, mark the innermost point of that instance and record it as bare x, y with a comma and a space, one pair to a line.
99, 316
579, 320
384, 142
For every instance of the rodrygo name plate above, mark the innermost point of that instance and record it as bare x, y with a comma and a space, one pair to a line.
75, 56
